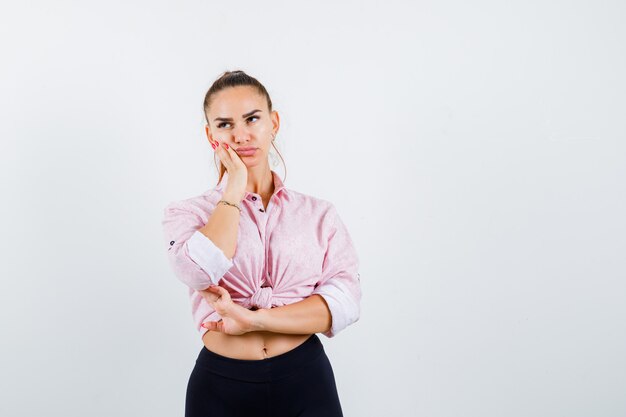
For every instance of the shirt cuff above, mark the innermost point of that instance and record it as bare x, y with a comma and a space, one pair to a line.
208, 256
343, 309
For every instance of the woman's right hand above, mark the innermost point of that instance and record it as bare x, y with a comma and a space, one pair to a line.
237, 170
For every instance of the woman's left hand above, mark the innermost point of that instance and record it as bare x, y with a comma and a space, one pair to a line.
236, 320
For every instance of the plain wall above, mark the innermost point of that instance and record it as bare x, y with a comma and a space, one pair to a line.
475, 151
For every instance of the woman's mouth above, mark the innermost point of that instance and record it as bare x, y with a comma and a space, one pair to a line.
246, 151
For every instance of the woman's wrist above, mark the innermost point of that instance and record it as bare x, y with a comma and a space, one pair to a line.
233, 197
258, 319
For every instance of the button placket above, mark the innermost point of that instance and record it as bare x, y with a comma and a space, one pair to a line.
255, 198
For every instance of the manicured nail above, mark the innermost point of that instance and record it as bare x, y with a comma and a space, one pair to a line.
213, 145
226, 145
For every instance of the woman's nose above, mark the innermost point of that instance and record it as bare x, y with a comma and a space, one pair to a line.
241, 135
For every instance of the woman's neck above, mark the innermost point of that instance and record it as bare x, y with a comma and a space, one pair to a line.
260, 181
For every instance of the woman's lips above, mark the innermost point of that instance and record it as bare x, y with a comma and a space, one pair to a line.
246, 152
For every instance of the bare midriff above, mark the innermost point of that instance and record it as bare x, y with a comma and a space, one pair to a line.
252, 345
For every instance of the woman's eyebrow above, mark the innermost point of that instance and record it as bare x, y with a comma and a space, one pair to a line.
243, 116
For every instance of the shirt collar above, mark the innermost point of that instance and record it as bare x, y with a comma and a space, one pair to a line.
278, 183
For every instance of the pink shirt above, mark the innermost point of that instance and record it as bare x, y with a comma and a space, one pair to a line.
297, 247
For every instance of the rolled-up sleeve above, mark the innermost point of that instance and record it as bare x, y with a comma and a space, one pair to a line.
340, 284
195, 259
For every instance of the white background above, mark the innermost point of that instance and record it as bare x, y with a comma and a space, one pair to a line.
475, 150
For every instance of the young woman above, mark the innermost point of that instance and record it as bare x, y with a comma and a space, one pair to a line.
267, 268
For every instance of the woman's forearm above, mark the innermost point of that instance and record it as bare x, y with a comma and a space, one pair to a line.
310, 315
223, 226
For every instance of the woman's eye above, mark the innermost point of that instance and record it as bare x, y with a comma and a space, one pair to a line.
224, 123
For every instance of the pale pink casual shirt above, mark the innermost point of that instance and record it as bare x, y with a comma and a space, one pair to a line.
297, 247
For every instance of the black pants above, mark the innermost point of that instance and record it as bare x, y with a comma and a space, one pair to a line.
299, 382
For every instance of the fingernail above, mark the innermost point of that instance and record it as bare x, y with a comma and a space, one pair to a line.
226, 145
213, 145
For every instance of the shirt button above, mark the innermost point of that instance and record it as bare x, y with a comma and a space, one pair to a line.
262, 210
253, 198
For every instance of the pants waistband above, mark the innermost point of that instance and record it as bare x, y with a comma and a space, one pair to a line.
262, 370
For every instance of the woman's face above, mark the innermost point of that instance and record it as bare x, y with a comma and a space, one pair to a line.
239, 117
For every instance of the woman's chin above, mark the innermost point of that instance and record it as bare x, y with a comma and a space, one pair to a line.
250, 161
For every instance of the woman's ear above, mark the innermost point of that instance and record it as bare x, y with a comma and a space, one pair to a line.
275, 121
209, 135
